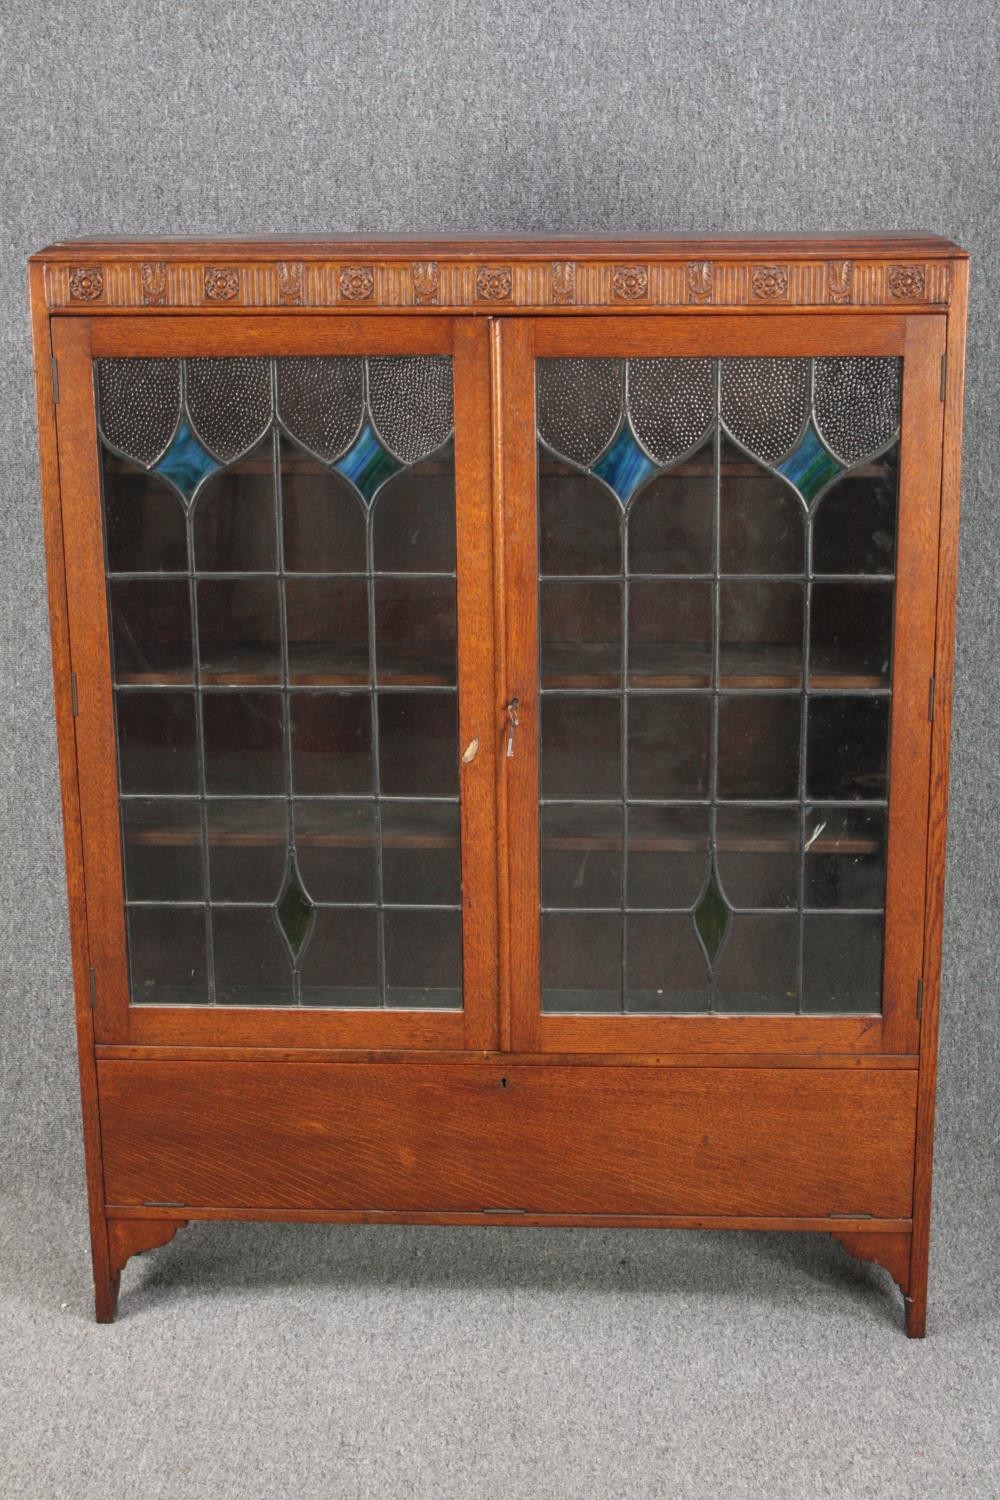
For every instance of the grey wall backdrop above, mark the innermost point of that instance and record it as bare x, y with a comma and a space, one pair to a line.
143, 117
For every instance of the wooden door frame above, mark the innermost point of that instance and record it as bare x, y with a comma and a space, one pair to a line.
75, 526
920, 340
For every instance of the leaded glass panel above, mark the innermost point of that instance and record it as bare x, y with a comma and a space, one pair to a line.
716, 593
280, 547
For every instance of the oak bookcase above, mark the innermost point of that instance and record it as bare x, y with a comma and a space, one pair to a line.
503, 696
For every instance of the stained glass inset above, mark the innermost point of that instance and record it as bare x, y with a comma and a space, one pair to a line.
186, 462
811, 466
367, 464
624, 467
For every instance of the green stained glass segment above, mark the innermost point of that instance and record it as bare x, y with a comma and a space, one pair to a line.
367, 464
810, 466
294, 911
711, 916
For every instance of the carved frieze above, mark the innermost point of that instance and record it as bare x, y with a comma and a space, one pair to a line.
86, 283
494, 283
426, 282
770, 283
357, 283
222, 283
630, 283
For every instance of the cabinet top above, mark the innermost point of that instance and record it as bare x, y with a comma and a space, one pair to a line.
497, 273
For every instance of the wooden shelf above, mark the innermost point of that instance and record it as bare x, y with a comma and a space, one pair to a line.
311, 664
678, 665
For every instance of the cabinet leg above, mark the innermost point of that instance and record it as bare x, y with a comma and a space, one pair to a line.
916, 1301
125, 1238
891, 1252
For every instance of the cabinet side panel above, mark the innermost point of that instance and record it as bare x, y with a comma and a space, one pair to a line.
448, 1138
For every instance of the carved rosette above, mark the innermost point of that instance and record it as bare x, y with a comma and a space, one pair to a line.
563, 282
291, 276
630, 283
839, 274
494, 283
153, 279
356, 284
906, 283
698, 279
222, 283
426, 282
86, 284
769, 283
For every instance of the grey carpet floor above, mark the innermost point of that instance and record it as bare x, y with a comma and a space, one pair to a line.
303, 1360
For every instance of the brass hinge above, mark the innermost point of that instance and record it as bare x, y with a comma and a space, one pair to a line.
55, 381
74, 694
92, 977
920, 997
944, 374
930, 699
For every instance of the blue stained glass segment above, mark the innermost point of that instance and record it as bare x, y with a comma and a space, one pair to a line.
186, 463
624, 466
367, 464
810, 466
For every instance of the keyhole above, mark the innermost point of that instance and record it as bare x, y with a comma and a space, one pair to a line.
503, 1083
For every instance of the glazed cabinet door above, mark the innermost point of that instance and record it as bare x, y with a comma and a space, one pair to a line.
720, 558
278, 565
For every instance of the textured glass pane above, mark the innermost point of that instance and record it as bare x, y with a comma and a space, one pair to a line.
413, 528
671, 404
157, 742
666, 967
144, 521
581, 746
842, 963
229, 402
423, 959
581, 961
331, 743
848, 747
581, 855
579, 405
323, 519
252, 966
759, 746
411, 403
139, 404
671, 523
167, 955
320, 401
339, 968
151, 630
234, 518
247, 842
421, 860
765, 403
856, 402
669, 744
758, 966
163, 848
667, 855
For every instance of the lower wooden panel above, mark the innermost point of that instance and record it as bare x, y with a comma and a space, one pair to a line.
448, 1138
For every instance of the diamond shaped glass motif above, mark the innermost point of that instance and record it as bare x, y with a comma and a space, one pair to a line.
625, 465
711, 916
186, 462
367, 464
294, 911
810, 466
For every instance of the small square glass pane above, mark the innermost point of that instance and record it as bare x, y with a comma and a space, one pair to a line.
167, 955
581, 854
157, 742
669, 634
667, 855
854, 528
323, 517
335, 849
667, 972
842, 963
669, 737
848, 748
239, 624
244, 742
762, 520
339, 967
579, 522
423, 959
248, 848
151, 630
418, 738
758, 855
415, 632
163, 849
331, 743
234, 520
327, 631
582, 962
413, 530
758, 746
757, 968
850, 634
760, 626
143, 520
581, 746
252, 964
421, 858
672, 521
580, 632
845, 857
